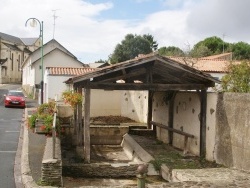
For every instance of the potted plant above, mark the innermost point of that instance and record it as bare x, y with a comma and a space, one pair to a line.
72, 98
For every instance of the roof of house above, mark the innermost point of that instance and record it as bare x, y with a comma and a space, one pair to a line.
69, 71
11, 38
204, 64
29, 41
154, 72
224, 56
12, 47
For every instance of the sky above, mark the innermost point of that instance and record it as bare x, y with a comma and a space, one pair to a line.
90, 29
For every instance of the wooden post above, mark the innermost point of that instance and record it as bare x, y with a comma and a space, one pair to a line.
79, 117
203, 117
87, 123
150, 108
171, 117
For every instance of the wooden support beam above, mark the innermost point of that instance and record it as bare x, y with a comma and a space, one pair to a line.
186, 135
150, 108
87, 124
143, 86
79, 117
203, 125
171, 115
172, 129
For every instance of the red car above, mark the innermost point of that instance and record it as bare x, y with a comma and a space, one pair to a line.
14, 98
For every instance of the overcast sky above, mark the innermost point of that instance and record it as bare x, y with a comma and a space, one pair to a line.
90, 29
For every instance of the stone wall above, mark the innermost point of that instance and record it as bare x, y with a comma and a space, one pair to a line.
232, 143
113, 170
52, 167
107, 135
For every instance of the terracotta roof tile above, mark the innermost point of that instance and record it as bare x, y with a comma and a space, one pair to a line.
69, 70
204, 64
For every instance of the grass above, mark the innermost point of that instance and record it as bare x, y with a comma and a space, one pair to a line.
174, 160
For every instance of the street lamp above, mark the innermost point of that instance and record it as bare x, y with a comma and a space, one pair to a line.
33, 23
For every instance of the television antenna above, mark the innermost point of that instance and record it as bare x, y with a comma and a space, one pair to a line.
54, 24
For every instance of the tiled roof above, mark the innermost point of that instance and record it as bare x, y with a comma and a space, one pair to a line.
224, 56
68, 70
204, 64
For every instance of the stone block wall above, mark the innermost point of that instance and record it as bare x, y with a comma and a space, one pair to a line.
52, 167
108, 170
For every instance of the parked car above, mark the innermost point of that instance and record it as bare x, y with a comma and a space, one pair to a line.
14, 98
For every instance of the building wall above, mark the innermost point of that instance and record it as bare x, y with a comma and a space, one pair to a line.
54, 87
11, 70
105, 103
232, 146
212, 99
32, 72
135, 105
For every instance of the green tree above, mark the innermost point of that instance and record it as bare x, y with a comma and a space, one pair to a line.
200, 51
210, 46
170, 51
131, 47
241, 51
238, 78
152, 42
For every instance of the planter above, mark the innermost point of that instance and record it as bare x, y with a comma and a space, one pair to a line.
39, 127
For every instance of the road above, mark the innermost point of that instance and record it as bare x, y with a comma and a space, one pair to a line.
10, 121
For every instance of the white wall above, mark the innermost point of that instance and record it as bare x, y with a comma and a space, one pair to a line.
212, 99
160, 114
186, 118
54, 86
135, 105
104, 103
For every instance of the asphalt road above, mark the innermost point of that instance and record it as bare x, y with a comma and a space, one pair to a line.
10, 122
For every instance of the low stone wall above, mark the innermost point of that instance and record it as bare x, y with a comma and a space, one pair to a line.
107, 135
52, 168
108, 170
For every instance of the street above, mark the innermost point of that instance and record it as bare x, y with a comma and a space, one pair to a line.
10, 121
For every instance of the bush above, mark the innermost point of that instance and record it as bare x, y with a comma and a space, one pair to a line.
32, 120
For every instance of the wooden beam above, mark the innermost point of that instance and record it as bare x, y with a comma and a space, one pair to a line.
87, 124
109, 78
142, 86
172, 129
203, 126
150, 108
171, 116
80, 123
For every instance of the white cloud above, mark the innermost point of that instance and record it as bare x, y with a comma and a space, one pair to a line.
82, 30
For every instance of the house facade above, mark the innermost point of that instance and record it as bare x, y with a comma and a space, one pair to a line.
54, 55
13, 52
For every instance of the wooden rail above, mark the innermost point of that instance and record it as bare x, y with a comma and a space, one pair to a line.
186, 135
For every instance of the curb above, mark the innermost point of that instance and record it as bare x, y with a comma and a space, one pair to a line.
26, 175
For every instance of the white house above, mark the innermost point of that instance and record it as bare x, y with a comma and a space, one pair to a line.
55, 77
54, 54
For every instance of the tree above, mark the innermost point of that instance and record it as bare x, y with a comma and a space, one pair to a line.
131, 47
101, 61
241, 51
170, 51
212, 46
238, 78
150, 39
200, 51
